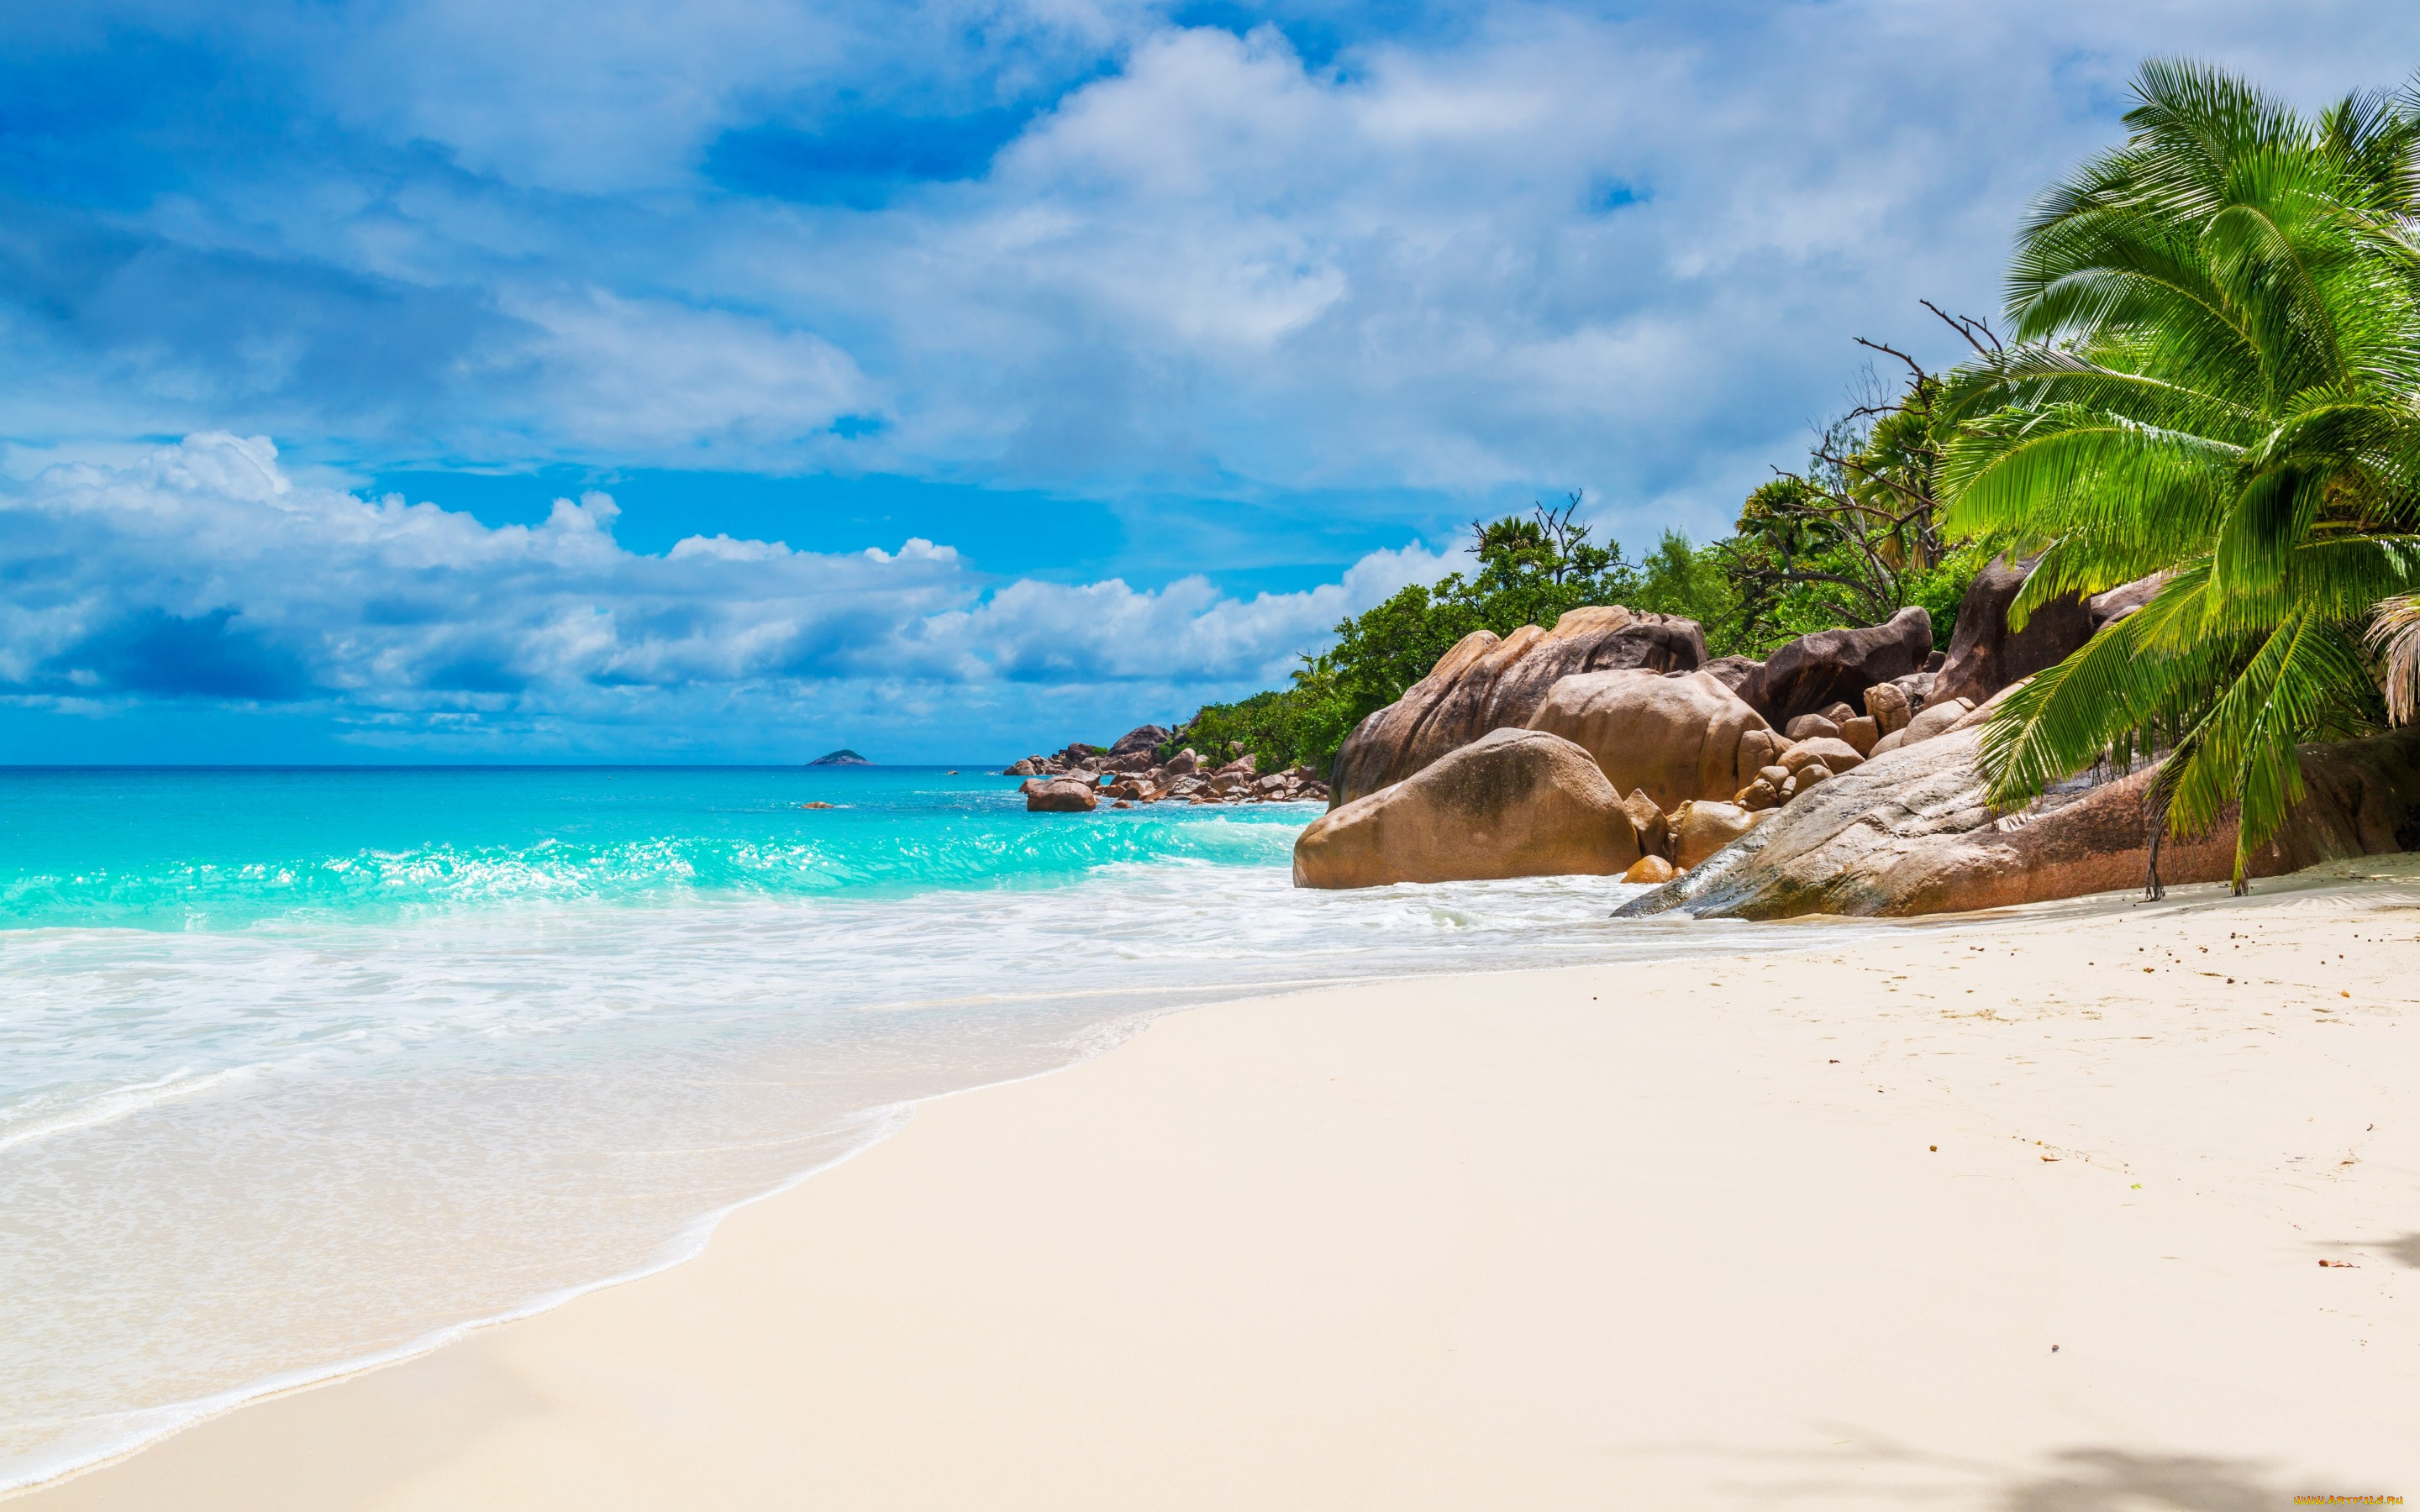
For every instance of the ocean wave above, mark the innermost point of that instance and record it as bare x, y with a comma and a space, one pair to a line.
239, 875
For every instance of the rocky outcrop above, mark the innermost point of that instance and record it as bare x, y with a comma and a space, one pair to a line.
1985, 656
1731, 670
1839, 755
1076, 761
1815, 672
1909, 833
1678, 737
1487, 683
2122, 600
1139, 778
1647, 818
1514, 803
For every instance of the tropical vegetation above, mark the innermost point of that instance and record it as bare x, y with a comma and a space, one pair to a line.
2212, 376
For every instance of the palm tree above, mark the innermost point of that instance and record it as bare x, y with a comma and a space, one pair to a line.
2213, 375
2395, 637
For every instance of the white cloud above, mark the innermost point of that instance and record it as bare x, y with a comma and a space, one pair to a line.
1530, 246
662, 379
1211, 267
203, 572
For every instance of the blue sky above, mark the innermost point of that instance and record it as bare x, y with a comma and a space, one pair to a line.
462, 379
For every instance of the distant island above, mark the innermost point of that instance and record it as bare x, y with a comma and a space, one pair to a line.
842, 757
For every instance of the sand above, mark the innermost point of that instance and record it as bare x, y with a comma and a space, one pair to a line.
1665, 1237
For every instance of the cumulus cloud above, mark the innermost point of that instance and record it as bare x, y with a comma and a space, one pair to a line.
1329, 265
662, 379
204, 572
1513, 245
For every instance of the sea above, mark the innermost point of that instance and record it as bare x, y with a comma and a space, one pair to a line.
304, 1070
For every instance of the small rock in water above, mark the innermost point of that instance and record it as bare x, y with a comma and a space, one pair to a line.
818, 805
1062, 795
1649, 870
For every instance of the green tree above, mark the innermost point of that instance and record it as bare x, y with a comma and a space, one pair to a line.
2215, 341
1695, 583
1858, 534
1532, 570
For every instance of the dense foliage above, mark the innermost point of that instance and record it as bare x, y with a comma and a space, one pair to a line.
2214, 377
1530, 571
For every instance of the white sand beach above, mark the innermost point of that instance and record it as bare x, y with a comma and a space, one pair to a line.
2027, 1212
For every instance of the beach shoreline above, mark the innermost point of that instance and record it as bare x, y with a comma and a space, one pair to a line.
1551, 1237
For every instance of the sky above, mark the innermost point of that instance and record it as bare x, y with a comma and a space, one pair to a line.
444, 380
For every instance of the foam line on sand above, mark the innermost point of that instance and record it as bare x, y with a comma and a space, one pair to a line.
2028, 1213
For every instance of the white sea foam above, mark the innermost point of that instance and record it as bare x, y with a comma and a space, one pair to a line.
32, 1122
235, 1162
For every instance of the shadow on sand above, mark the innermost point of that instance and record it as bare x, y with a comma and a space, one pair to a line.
2113, 1480
2088, 1479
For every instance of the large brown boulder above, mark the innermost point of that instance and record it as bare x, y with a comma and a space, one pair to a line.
1909, 833
1731, 670
2124, 599
1065, 795
1701, 830
1985, 656
1142, 737
1888, 705
1515, 803
1815, 672
1487, 683
1677, 737
1937, 718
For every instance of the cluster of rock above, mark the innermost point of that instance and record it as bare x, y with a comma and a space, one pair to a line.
1700, 763
1911, 832
1837, 776
1079, 779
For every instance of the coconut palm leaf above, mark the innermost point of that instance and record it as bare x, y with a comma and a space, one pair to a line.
2216, 377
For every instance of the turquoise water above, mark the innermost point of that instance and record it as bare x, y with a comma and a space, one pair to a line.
302, 1068
228, 848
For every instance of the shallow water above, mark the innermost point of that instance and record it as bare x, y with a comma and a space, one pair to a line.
302, 1068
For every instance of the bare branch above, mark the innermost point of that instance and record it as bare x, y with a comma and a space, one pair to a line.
1913, 366
1967, 325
